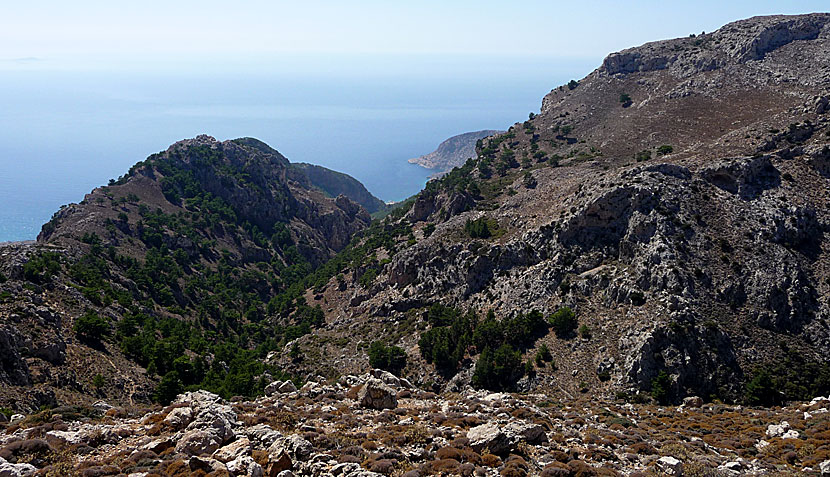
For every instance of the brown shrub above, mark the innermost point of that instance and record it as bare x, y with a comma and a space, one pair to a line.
448, 453
491, 460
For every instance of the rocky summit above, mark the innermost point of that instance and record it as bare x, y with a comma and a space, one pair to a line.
633, 281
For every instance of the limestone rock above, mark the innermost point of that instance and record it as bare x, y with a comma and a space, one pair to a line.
490, 437
234, 450
198, 442
376, 395
179, 417
670, 465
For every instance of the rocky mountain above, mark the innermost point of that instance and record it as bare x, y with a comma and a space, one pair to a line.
453, 152
334, 183
634, 281
667, 214
189, 267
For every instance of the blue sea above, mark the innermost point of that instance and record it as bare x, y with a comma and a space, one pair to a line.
68, 125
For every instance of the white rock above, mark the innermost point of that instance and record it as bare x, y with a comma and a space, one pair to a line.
692, 401
297, 448
489, 436
761, 444
791, 434
287, 387
234, 450
375, 394
16, 418
670, 465
198, 442
778, 430
179, 417
824, 468
245, 465
8, 469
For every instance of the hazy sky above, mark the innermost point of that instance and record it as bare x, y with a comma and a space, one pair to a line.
55, 29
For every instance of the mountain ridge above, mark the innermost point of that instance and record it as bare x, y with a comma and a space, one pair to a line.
452, 152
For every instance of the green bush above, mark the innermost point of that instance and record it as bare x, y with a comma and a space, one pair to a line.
572, 84
625, 100
664, 149
498, 370
585, 332
544, 354
169, 387
478, 228
761, 390
389, 358
91, 325
661, 388
41, 267
563, 322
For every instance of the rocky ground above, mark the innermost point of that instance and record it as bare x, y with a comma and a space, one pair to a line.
377, 424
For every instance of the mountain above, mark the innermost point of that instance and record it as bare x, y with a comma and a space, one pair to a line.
656, 235
667, 215
334, 183
187, 268
453, 152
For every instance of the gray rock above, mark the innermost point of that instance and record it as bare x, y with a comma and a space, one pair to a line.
489, 437
287, 387
692, 401
198, 442
234, 450
670, 465
376, 395
297, 448
179, 417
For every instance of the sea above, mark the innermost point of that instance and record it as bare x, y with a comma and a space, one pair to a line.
68, 125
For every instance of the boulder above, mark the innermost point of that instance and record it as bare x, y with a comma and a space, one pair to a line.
377, 395
245, 465
198, 442
518, 431
297, 448
287, 387
490, 437
234, 450
206, 464
8, 469
824, 468
277, 464
693, 401
179, 417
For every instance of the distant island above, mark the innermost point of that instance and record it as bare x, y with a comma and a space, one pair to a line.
453, 152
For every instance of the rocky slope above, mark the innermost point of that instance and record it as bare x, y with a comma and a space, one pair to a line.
453, 152
675, 199
376, 424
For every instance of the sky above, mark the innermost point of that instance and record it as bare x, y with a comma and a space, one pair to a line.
83, 31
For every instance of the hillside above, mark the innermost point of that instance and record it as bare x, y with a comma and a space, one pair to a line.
453, 151
674, 201
334, 183
187, 268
